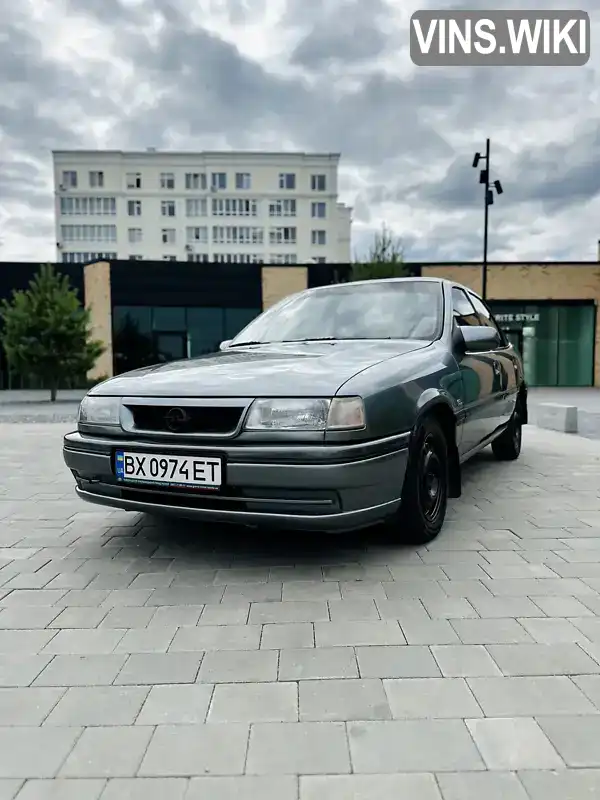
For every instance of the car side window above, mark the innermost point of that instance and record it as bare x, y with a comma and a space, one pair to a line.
462, 309
485, 315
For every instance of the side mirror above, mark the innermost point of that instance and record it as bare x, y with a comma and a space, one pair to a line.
479, 339
225, 344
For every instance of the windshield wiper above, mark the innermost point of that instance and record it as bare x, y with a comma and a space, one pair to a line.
312, 339
339, 339
290, 341
317, 339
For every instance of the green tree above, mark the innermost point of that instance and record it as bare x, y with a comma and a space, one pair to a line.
46, 332
384, 259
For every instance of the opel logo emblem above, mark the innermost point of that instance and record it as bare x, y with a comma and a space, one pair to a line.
176, 418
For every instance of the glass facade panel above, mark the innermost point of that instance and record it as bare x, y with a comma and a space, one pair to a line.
144, 335
540, 348
140, 316
556, 342
576, 347
171, 346
133, 343
236, 319
205, 330
168, 318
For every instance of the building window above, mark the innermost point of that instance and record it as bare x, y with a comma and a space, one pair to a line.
233, 234
69, 179
234, 207
134, 180
85, 258
97, 179
167, 180
238, 258
320, 260
168, 235
283, 258
196, 207
318, 183
197, 234
134, 208
195, 180
318, 237
287, 180
318, 210
88, 233
218, 180
167, 208
135, 258
169, 258
202, 258
243, 180
134, 235
282, 236
88, 206
282, 208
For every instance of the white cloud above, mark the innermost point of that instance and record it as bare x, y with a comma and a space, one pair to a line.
279, 74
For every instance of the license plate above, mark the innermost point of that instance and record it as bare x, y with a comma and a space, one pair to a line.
184, 471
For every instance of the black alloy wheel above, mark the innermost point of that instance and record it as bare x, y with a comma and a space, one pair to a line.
425, 490
432, 480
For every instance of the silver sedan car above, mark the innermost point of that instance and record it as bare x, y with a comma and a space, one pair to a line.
337, 408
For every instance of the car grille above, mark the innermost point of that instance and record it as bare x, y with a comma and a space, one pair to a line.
187, 419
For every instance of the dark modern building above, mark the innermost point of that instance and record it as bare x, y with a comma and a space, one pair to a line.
146, 311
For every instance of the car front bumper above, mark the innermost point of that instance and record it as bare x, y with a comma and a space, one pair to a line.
322, 488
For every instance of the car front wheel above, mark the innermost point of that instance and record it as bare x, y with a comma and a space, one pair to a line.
425, 491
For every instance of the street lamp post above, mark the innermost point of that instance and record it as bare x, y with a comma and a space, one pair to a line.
488, 199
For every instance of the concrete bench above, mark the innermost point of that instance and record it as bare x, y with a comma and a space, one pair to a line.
588, 424
556, 417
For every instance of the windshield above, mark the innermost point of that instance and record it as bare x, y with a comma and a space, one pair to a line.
392, 310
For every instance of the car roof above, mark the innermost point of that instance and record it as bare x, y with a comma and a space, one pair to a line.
370, 282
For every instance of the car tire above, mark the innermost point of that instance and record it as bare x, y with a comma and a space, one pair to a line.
507, 447
425, 491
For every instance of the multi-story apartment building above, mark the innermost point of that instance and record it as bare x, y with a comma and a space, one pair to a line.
245, 207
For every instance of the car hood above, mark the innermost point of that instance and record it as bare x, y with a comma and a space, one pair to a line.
276, 370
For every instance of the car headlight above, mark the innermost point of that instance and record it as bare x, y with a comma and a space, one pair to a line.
300, 414
99, 410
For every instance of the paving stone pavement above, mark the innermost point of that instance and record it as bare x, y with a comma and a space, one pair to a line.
143, 659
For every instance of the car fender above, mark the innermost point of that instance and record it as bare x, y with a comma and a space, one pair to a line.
432, 397
432, 400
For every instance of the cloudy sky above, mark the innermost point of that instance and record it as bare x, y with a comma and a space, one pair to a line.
333, 75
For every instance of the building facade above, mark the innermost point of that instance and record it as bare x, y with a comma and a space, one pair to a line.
232, 207
548, 310
151, 311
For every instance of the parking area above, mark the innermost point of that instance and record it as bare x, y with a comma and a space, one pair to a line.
153, 660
